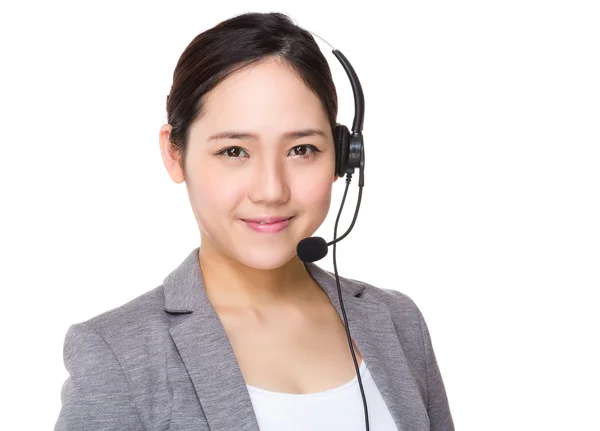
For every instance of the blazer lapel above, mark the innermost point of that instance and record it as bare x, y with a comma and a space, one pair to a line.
217, 378
206, 351
372, 330
215, 373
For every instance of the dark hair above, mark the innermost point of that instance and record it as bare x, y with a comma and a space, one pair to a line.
233, 44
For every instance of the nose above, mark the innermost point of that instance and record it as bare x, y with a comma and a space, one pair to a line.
269, 185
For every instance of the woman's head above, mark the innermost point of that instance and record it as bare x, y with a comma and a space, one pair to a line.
251, 115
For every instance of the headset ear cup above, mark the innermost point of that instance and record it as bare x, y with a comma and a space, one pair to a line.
342, 148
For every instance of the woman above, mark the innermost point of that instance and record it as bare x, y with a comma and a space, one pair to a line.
243, 335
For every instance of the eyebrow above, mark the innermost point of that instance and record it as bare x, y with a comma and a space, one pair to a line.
295, 134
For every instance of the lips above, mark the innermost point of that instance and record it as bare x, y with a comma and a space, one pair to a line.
267, 225
266, 220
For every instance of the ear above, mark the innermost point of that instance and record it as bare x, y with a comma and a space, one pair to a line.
171, 158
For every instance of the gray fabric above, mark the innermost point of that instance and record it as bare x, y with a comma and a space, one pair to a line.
163, 360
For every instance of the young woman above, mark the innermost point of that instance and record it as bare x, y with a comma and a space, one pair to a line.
243, 335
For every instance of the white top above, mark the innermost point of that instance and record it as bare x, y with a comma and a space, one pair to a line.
339, 408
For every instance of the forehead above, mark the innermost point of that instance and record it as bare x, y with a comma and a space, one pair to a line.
264, 95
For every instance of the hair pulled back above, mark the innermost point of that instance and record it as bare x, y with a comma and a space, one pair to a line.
233, 44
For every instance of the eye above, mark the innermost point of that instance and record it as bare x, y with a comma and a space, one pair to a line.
303, 151
238, 153
233, 153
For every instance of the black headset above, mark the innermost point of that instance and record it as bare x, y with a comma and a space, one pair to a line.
349, 155
349, 146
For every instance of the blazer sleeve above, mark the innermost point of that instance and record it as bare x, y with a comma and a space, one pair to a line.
96, 395
438, 410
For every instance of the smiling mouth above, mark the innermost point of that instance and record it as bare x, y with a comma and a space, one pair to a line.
268, 220
268, 225
273, 222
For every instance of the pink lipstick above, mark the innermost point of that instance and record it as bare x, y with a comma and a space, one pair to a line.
267, 224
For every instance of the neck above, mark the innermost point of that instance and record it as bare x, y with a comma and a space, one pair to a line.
230, 284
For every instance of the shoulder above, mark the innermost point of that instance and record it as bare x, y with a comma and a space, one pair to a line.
402, 307
400, 304
131, 316
111, 358
405, 314
126, 330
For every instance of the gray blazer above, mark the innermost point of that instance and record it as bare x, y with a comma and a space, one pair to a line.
163, 360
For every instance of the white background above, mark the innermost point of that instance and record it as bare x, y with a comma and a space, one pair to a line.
481, 199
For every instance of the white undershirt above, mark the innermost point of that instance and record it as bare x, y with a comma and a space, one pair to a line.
339, 408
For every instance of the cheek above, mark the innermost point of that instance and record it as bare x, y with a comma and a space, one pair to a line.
314, 195
214, 195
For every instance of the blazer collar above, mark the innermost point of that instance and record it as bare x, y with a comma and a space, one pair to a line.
208, 356
185, 291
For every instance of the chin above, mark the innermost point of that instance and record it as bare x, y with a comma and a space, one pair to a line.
266, 259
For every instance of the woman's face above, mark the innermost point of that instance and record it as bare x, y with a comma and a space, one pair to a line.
261, 148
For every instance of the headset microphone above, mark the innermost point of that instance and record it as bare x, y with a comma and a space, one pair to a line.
315, 248
350, 154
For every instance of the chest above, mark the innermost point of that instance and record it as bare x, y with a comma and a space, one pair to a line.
294, 353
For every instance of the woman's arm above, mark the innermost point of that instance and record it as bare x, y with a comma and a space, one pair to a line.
438, 409
96, 396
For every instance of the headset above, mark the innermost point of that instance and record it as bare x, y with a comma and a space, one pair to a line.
349, 155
